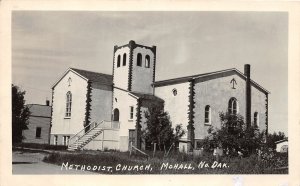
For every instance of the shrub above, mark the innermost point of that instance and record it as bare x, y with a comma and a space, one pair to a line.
234, 136
159, 129
41, 146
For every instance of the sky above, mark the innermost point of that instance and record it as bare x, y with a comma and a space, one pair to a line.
46, 43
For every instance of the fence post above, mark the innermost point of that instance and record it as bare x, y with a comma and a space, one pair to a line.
130, 149
154, 150
166, 155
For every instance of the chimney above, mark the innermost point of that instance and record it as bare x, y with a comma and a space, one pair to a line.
132, 44
248, 95
47, 103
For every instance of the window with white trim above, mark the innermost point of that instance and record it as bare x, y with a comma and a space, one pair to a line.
233, 106
68, 104
131, 108
207, 114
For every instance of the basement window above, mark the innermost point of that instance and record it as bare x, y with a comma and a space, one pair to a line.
256, 119
38, 132
66, 140
55, 140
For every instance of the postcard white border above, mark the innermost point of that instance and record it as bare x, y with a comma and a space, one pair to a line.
293, 9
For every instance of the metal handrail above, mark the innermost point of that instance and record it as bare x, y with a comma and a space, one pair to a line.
81, 133
83, 129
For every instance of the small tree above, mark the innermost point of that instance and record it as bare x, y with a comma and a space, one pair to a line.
159, 128
272, 138
20, 114
234, 135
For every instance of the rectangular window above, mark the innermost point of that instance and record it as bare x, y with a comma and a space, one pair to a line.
38, 132
131, 112
55, 140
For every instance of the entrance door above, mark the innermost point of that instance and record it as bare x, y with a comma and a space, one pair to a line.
131, 137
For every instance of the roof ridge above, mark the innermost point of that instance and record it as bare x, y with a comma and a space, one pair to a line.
140, 93
196, 75
90, 71
37, 104
184, 79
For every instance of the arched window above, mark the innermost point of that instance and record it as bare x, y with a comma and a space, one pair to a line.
68, 104
139, 59
207, 115
124, 59
233, 106
119, 61
147, 61
116, 115
256, 119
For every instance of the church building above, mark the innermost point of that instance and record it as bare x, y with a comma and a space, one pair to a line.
91, 110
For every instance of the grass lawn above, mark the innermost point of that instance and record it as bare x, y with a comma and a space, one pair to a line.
114, 162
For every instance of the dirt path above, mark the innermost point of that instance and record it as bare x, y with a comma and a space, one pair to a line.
31, 163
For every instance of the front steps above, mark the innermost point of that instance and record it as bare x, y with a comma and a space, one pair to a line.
94, 129
85, 139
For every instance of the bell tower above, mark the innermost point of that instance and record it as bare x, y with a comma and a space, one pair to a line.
134, 67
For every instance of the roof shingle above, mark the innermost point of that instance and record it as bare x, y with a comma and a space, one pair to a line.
95, 77
147, 96
39, 110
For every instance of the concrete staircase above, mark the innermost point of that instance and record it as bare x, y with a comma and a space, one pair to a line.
78, 141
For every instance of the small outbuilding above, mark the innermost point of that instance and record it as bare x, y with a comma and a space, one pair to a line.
282, 145
38, 124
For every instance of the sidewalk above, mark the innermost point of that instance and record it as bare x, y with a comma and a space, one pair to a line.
31, 163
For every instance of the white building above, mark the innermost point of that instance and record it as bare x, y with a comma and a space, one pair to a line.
81, 98
282, 145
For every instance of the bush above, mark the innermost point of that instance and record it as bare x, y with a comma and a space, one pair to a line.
41, 146
234, 136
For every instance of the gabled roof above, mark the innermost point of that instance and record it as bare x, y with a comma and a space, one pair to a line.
205, 75
280, 141
39, 110
104, 79
146, 96
94, 77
